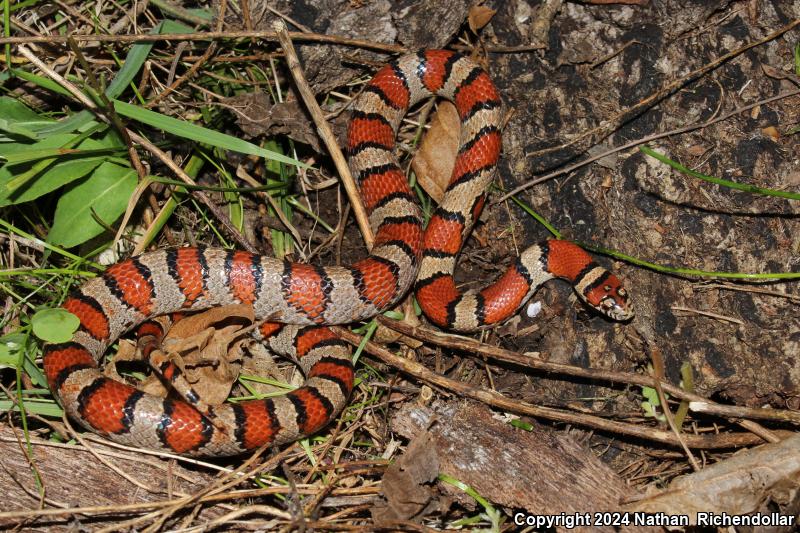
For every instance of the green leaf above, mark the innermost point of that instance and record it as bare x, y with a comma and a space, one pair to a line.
105, 192
18, 119
9, 151
13, 183
56, 176
41, 81
72, 123
17, 130
197, 133
70, 170
54, 325
652, 395
46, 408
8, 358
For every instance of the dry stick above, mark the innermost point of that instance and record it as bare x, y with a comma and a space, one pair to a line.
89, 104
698, 403
223, 5
145, 506
724, 318
758, 429
185, 77
324, 131
211, 36
161, 515
724, 286
495, 399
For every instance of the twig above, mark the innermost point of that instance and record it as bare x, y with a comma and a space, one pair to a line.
708, 313
209, 36
116, 509
495, 399
471, 346
179, 12
324, 130
724, 286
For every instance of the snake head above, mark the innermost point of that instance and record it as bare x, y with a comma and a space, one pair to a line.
607, 295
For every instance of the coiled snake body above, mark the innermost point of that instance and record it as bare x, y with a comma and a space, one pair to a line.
299, 295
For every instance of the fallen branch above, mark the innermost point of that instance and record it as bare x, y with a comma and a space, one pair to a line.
472, 346
495, 399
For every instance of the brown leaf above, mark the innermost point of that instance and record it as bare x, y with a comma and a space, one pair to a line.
771, 132
434, 161
404, 484
207, 347
479, 16
193, 323
125, 353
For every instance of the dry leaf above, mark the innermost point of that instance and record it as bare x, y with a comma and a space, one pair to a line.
696, 150
771, 132
434, 161
207, 347
479, 16
405, 483
125, 353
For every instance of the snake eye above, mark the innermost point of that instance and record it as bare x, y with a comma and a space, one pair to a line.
622, 293
607, 288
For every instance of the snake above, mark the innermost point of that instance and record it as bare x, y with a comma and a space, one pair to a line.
295, 302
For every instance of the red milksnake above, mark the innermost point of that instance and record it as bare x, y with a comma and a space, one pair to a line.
167, 281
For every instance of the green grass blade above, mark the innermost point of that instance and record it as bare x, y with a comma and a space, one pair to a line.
688, 271
719, 181
193, 132
654, 266
138, 55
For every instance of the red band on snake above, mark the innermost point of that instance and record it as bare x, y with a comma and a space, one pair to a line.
299, 295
